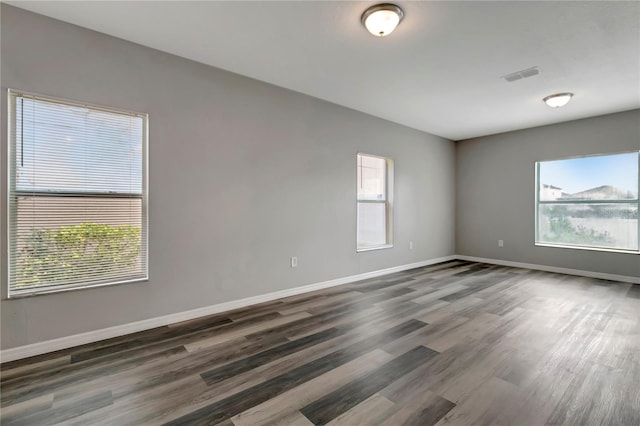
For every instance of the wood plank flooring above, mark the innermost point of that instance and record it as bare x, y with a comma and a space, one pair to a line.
456, 343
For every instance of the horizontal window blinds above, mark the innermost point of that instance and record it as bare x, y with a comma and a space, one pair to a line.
77, 207
373, 202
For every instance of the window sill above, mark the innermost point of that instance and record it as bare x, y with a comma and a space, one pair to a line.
386, 246
19, 294
562, 246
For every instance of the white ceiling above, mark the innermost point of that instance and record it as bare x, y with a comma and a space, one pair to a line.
438, 72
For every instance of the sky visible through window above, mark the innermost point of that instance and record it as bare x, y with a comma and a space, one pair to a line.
580, 174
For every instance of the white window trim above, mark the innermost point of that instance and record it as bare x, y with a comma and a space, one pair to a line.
538, 243
388, 202
11, 185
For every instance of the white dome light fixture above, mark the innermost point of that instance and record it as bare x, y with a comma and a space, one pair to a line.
381, 19
558, 100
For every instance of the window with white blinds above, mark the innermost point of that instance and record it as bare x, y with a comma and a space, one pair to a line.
374, 202
77, 195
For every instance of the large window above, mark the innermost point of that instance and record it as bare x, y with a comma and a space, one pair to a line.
375, 195
77, 195
589, 202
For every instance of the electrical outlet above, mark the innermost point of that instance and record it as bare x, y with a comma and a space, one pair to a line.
410, 245
500, 243
294, 262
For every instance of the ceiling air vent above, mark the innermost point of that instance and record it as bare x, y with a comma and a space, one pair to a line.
519, 75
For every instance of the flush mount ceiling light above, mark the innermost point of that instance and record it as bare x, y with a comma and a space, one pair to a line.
558, 100
381, 19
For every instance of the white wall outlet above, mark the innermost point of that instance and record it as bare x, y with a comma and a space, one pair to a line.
294, 262
500, 243
410, 245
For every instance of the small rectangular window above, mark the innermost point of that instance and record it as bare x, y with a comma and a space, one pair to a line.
589, 202
77, 195
374, 202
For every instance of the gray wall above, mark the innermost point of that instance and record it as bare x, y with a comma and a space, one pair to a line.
243, 175
495, 190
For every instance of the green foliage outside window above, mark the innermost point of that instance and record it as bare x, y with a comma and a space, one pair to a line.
69, 253
562, 230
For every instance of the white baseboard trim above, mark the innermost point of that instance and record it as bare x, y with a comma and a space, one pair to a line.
590, 274
39, 348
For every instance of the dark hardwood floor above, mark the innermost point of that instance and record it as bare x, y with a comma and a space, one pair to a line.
455, 343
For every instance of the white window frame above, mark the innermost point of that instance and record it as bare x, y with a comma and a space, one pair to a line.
539, 202
12, 94
388, 203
